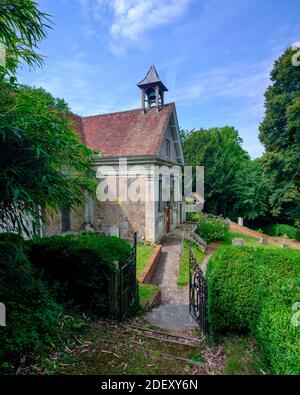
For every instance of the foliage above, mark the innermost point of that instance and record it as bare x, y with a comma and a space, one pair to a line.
220, 151
283, 230
42, 162
32, 314
78, 267
250, 192
279, 133
252, 291
212, 228
193, 217
22, 27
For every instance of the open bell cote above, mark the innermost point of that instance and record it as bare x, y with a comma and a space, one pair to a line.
152, 90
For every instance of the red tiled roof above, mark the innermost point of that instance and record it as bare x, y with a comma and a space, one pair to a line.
128, 133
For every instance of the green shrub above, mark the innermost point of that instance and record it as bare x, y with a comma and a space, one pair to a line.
193, 217
283, 230
78, 267
11, 237
212, 228
31, 313
297, 235
252, 291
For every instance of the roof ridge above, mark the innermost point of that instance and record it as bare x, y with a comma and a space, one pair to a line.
121, 112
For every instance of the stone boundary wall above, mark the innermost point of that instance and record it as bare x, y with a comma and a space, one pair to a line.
149, 270
154, 301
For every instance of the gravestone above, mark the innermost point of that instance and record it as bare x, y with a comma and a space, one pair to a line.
2, 314
114, 231
240, 221
284, 243
263, 240
238, 242
89, 228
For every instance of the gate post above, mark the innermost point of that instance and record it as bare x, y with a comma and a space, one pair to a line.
113, 293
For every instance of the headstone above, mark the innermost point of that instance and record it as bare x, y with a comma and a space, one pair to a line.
240, 221
2, 315
114, 231
284, 243
263, 240
238, 242
89, 228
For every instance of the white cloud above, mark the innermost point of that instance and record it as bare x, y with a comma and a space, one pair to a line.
130, 20
234, 82
133, 18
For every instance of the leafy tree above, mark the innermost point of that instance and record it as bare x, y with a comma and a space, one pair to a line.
42, 162
250, 193
220, 151
22, 27
280, 135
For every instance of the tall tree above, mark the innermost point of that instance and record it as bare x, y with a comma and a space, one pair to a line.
220, 151
250, 193
280, 135
22, 27
42, 162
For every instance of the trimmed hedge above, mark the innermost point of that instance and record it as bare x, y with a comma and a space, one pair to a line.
251, 291
78, 267
212, 228
282, 230
31, 313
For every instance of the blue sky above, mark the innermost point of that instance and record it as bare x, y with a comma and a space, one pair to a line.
215, 56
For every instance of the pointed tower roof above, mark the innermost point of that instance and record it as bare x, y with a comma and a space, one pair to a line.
152, 78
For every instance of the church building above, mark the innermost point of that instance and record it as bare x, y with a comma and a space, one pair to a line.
141, 154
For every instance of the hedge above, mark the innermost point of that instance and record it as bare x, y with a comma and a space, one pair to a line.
212, 228
252, 291
282, 230
31, 312
78, 267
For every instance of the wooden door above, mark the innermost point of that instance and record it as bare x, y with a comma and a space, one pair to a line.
168, 219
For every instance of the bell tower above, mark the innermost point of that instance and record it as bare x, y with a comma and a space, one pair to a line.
152, 90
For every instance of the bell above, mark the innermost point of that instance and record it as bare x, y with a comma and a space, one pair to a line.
151, 95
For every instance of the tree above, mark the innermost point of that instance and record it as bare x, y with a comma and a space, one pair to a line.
22, 27
280, 135
42, 162
220, 151
250, 193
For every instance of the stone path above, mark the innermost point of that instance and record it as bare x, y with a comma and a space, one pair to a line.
173, 314
167, 271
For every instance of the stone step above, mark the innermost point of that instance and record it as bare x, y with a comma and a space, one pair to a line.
174, 317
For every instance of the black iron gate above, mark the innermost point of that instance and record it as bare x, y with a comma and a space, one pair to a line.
127, 295
198, 292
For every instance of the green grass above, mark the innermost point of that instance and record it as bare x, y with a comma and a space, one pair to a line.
146, 291
250, 241
242, 357
144, 253
183, 276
